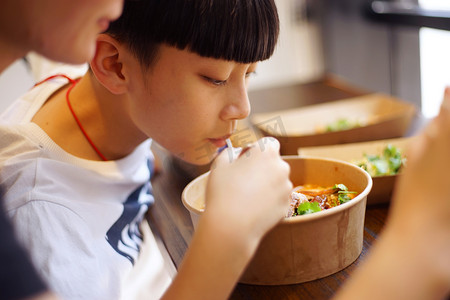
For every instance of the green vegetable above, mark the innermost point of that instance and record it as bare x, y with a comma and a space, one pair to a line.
344, 197
388, 163
340, 186
342, 124
343, 193
308, 208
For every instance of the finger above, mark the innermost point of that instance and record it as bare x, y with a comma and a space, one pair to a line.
263, 144
271, 143
444, 113
227, 156
445, 106
246, 148
439, 127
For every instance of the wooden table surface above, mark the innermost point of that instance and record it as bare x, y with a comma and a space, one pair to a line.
172, 222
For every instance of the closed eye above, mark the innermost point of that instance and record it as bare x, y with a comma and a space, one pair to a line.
250, 74
214, 81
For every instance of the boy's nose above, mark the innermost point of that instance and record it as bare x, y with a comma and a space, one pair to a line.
237, 108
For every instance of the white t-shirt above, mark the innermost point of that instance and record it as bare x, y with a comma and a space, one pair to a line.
81, 220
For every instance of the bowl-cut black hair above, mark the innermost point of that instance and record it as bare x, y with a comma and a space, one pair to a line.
244, 31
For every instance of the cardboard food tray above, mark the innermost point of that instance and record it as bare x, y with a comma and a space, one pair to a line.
382, 185
380, 117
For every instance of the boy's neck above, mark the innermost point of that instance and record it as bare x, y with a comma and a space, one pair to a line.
119, 135
106, 116
102, 114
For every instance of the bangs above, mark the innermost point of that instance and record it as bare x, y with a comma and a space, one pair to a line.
244, 31
241, 31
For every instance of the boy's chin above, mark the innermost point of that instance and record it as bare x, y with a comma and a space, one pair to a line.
191, 167
197, 157
196, 161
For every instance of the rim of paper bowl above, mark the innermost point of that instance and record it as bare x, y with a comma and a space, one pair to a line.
307, 217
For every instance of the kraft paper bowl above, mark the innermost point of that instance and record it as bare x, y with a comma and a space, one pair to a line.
308, 247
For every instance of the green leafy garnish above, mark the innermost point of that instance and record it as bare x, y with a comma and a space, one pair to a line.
344, 197
342, 124
340, 186
308, 208
343, 193
388, 163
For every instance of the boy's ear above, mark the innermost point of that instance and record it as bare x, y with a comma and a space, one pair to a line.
107, 64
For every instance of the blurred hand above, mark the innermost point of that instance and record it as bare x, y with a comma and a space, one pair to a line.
410, 259
424, 188
421, 203
250, 194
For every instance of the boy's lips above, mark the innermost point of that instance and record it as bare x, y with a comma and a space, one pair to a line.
219, 142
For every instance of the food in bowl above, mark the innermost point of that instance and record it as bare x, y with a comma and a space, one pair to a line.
340, 124
390, 162
311, 198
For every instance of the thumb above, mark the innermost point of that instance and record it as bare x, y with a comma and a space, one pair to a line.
227, 156
445, 106
270, 143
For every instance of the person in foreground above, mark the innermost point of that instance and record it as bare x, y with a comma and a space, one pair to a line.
411, 260
62, 30
76, 162
135, 94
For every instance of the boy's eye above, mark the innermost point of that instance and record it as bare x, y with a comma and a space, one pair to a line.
214, 81
249, 74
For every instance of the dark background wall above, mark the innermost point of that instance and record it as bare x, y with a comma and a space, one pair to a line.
375, 56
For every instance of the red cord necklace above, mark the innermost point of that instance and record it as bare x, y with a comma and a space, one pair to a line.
73, 82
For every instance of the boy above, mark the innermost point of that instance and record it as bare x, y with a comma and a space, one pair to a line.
175, 71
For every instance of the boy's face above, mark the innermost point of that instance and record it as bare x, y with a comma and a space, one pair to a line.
190, 104
62, 30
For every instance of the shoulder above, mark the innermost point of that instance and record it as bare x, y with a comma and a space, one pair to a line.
66, 251
18, 277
